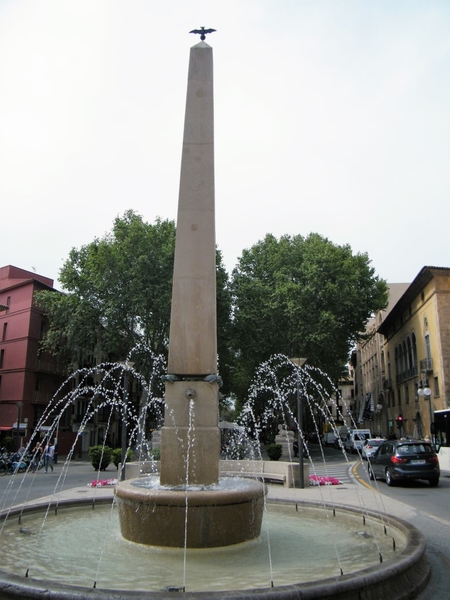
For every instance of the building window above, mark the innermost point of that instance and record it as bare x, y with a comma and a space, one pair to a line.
414, 352
2, 358
406, 394
436, 387
399, 396
428, 349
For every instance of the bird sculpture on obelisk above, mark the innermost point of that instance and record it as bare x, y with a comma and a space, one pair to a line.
192, 382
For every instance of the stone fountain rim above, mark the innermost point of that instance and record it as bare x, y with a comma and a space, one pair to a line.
127, 491
397, 579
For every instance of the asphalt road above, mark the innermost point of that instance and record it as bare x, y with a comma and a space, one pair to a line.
433, 501
15, 489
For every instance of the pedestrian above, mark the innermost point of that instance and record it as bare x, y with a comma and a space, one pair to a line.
37, 455
48, 457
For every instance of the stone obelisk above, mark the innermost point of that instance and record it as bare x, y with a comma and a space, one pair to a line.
186, 509
192, 390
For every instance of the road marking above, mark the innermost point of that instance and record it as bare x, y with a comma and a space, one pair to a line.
361, 480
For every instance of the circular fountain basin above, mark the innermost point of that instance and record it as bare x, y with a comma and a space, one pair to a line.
80, 554
195, 516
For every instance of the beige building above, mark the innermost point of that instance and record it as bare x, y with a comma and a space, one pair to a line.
370, 371
403, 369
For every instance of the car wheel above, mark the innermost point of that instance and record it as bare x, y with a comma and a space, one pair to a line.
388, 477
434, 482
371, 474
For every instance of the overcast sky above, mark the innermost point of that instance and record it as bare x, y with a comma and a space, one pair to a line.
331, 116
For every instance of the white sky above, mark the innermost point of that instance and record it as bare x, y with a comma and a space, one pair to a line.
331, 116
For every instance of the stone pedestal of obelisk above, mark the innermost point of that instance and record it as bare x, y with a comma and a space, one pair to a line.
192, 506
191, 403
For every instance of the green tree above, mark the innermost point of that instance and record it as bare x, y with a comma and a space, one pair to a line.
301, 297
118, 295
224, 331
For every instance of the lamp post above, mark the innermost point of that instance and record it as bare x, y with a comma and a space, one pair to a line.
299, 362
426, 391
126, 378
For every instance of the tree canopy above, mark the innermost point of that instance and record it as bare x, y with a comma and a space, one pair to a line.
117, 292
303, 297
117, 296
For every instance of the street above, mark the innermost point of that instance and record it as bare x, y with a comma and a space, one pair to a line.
419, 494
22, 488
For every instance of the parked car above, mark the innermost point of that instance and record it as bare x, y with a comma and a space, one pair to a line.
397, 460
370, 446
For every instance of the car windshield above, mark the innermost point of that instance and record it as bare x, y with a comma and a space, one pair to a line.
414, 449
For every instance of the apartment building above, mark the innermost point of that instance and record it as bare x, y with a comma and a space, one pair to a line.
28, 378
407, 351
417, 353
369, 365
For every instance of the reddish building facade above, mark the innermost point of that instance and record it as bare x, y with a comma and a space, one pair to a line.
28, 378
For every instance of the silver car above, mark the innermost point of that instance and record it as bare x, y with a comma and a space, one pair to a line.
370, 447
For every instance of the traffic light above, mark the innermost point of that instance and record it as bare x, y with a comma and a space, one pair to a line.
399, 421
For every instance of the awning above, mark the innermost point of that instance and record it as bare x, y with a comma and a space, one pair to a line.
5, 428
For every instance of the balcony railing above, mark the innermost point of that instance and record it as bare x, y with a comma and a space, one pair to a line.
408, 374
426, 365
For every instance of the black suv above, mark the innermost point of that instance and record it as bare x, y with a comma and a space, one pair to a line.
397, 460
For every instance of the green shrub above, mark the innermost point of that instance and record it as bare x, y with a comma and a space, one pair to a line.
274, 451
117, 456
155, 454
97, 453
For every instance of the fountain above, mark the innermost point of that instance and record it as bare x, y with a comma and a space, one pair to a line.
191, 508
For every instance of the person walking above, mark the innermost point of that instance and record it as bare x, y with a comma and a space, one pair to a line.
37, 454
48, 457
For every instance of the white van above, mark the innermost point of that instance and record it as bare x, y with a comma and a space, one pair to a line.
356, 438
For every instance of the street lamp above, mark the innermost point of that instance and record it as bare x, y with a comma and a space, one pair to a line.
299, 362
426, 391
127, 365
